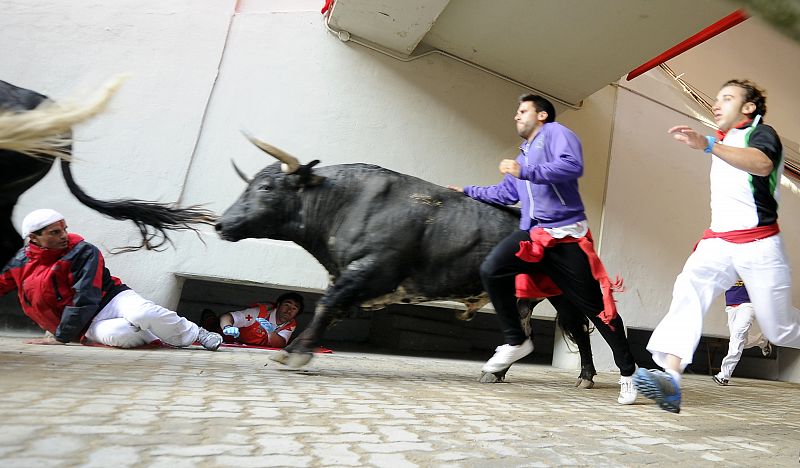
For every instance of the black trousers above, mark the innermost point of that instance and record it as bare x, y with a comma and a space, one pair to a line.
567, 265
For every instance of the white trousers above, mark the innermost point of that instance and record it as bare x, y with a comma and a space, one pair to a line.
711, 269
129, 321
744, 334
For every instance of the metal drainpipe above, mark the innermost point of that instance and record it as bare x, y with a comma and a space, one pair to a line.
345, 36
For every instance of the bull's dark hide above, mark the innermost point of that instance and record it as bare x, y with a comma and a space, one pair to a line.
19, 172
383, 236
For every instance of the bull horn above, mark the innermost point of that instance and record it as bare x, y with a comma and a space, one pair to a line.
240, 173
290, 163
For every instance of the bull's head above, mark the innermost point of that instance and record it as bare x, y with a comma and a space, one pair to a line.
271, 205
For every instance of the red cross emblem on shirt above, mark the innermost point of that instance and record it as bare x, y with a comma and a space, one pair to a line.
248, 317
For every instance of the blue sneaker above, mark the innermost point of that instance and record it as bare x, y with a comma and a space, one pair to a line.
659, 386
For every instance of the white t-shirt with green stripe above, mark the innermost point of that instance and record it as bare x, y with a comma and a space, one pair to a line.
740, 200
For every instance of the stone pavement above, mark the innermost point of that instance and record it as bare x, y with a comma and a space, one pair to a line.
85, 406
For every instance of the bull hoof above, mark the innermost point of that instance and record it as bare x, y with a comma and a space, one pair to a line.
493, 377
584, 383
292, 360
280, 357
586, 377
465, 315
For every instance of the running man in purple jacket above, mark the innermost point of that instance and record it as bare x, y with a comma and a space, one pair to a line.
555, 234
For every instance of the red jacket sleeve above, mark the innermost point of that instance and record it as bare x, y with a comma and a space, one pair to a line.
8, 282
86, 273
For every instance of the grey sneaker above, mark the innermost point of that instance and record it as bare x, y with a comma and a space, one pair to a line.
209, 340
506, 355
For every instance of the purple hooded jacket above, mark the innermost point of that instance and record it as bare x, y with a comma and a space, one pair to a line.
548, 183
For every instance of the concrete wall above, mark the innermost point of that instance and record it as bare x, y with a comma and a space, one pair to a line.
201, 72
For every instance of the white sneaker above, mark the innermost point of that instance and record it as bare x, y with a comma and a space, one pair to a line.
506, 355
627, 392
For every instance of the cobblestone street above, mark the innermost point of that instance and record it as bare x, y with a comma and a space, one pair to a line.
86, 406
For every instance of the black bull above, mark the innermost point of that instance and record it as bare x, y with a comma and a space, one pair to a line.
19, 172
384, 238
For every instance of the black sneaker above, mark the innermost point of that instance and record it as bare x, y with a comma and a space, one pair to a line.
720, 381
768, 351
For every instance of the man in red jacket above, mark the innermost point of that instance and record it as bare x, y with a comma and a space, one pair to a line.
64, 286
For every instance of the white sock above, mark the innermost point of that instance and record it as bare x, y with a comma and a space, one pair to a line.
675, 375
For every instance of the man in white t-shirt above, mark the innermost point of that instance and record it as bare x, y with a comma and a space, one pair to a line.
743, 241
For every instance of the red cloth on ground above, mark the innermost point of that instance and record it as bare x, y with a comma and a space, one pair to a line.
540, 285
320, 350
158, 345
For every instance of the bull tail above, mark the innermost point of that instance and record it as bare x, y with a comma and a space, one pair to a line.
45, 131
573, 328
153, 219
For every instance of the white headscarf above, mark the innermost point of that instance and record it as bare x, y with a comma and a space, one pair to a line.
39, 219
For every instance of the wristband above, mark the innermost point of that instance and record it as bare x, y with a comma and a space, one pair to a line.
711, 140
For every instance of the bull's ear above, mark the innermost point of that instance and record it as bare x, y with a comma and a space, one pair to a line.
307, 176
